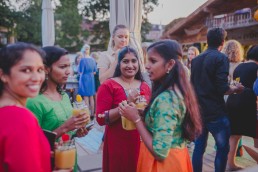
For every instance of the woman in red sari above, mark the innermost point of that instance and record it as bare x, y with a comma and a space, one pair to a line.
121, 147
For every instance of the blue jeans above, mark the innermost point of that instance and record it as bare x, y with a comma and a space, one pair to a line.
220, 130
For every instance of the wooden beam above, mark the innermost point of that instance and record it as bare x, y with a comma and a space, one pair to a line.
209, 10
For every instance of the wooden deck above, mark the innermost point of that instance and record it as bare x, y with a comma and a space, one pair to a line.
89, 160
209, 156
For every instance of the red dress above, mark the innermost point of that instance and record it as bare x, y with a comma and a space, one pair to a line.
121, 147
23, 145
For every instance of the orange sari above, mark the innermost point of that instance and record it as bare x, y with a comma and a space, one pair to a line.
178, 160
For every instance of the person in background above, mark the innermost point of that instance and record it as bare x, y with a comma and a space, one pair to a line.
255, 86
191, 54
171, 118
121, 147
233, 49
145, 45
255, 89
87, 69
95, 56
108, 59
73, 89
76, 65
209, 76
52, 106
23, 145
235, 52
242, 107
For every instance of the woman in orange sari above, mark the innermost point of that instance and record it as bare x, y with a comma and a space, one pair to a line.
171, 118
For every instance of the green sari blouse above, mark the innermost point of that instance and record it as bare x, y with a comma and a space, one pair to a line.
164, 121
50, 114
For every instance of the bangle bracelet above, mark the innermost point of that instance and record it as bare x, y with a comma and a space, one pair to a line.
137, 120
106, 117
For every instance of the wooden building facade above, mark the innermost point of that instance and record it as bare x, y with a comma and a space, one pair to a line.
236, 16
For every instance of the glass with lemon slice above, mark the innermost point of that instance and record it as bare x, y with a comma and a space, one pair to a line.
80, 106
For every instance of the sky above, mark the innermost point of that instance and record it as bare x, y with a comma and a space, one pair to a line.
168, 10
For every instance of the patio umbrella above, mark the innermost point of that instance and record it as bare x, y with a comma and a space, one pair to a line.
47, 24
128, 13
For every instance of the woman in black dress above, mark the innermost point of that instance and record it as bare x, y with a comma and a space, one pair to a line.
242, 107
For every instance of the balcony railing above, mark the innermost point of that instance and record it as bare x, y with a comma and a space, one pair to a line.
231, 21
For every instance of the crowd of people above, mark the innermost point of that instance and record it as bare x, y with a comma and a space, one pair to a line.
215, 92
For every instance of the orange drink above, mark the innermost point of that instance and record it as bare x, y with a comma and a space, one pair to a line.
65, 159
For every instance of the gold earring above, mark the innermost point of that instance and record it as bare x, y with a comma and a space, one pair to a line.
46, 77
3, 80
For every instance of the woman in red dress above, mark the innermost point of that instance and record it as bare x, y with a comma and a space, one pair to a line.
121, 147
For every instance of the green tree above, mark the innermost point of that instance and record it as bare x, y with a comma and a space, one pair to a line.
9, 18
29, 25
69, 33
22, 20
148, 6
25, 22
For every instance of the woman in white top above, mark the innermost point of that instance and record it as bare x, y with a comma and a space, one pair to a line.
235, 52
108, 59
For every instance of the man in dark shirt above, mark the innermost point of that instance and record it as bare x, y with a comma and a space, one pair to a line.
209, 76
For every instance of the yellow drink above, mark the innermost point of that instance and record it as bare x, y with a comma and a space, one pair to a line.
127, 124
141, 105
78, 111
141, 102
65, 159
80, 106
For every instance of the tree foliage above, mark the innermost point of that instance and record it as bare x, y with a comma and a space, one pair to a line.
24, 21
29, 26
69, 33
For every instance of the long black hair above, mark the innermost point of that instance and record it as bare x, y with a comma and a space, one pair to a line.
125, 50
177, 76
53, 54
11, 54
